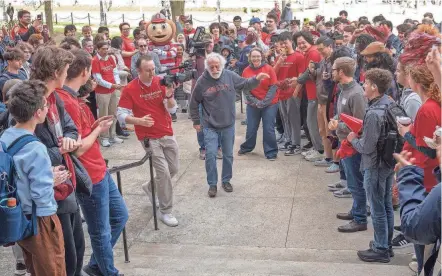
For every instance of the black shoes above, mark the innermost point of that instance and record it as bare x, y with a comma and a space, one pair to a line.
352, 227
212, 191
307, 146
174, 117
390, 250
371, 256
293, 150
227, 187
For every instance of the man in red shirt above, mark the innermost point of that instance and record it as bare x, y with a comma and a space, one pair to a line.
289, 65
304, 41
24, 29
105, 72
128, 47
272, 27
151, 104
105, 201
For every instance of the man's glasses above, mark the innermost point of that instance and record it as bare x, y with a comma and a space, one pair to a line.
126, 29
142, 46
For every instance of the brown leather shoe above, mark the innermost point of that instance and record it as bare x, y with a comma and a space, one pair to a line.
352, 227
227, 187
345, 216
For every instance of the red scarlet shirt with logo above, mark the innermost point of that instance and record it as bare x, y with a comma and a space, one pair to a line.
144, 100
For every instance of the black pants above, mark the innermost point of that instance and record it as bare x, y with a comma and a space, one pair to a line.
279, 125
73, 242
92, 103
304, 106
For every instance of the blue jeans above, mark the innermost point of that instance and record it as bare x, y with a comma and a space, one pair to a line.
355, 183
211, 137
268, 116
200, 134
378, 184
106, 215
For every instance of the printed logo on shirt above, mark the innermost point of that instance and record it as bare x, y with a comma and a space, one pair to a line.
107, 68
152, 95
216, 88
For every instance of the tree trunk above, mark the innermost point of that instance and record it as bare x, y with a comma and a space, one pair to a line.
102, 23
177, 7
48, 14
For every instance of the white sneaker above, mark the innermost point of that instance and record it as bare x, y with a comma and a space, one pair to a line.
105, 142
413, 266
168, 219
116, 140
314, 156
306, 153
145, 188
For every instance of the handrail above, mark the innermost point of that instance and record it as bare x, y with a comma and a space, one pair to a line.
118, 170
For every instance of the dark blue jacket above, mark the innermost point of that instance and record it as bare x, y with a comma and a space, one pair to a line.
243, 60
420, 212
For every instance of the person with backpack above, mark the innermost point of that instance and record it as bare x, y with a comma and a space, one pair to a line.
44, 250
378, 174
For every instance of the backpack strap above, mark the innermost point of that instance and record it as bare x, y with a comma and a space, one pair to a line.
20, 142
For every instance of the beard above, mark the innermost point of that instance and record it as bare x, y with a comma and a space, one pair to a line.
216, 75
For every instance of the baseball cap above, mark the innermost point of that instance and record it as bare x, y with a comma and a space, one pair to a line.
158, 18
255, 20
241, 38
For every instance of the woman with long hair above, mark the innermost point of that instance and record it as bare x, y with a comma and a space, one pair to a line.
261, 105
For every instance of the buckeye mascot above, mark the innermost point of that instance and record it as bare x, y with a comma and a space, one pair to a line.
160, 32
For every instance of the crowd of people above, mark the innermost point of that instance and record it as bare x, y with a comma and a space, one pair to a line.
367, 101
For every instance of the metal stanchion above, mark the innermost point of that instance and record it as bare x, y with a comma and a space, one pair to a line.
242, 108
117, 170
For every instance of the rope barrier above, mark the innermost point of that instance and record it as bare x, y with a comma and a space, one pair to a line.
133, 19
80, 18
64, 17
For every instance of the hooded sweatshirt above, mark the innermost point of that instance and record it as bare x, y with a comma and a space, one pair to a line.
410, 102
266, 93
217, 97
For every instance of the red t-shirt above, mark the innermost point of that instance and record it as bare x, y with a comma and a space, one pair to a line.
187, 32
106, 69
265, 37
80, 113
128, 46
144, 100
261, 91
427, 118
310, 86
292, 67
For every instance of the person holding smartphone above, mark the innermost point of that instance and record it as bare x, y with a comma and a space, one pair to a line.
25, 29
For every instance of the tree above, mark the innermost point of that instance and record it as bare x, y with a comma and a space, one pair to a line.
48, 14
177, 8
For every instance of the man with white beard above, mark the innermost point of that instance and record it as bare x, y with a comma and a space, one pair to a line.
216, 90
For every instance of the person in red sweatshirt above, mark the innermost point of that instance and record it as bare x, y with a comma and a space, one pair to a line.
305, 44
104, 210
428, 117
262, 103
289, 65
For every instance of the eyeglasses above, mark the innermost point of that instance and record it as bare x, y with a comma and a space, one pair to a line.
126, 29
142, 46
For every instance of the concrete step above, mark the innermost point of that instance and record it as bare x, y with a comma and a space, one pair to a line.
172, 259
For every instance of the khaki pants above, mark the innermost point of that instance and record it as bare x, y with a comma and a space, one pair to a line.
107, 105
44, 253
166, 163
324, 131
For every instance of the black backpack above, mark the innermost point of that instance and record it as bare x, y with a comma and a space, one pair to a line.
390, 140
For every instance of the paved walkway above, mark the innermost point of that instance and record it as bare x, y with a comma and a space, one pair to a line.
280, 219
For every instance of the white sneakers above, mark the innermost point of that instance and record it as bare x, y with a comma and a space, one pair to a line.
314, 156
307, 153
107, 142
167, 219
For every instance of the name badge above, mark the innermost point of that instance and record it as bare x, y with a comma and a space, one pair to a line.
344, 101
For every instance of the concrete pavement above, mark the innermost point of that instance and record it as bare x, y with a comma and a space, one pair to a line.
279, 220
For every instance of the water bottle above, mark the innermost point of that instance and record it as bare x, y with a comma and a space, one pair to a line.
11, 203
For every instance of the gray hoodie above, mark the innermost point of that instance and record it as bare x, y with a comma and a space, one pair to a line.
410, 102
217, 97
352, 102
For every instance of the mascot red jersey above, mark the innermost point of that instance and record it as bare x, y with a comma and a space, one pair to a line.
160, 32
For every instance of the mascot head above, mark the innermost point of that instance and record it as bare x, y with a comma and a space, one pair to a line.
160, 30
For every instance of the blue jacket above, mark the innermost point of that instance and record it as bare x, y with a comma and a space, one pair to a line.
243, 60
420, 212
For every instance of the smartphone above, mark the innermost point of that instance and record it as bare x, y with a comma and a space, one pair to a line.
39, 17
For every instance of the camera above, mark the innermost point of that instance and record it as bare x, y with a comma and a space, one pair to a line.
196, 46
170, 78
